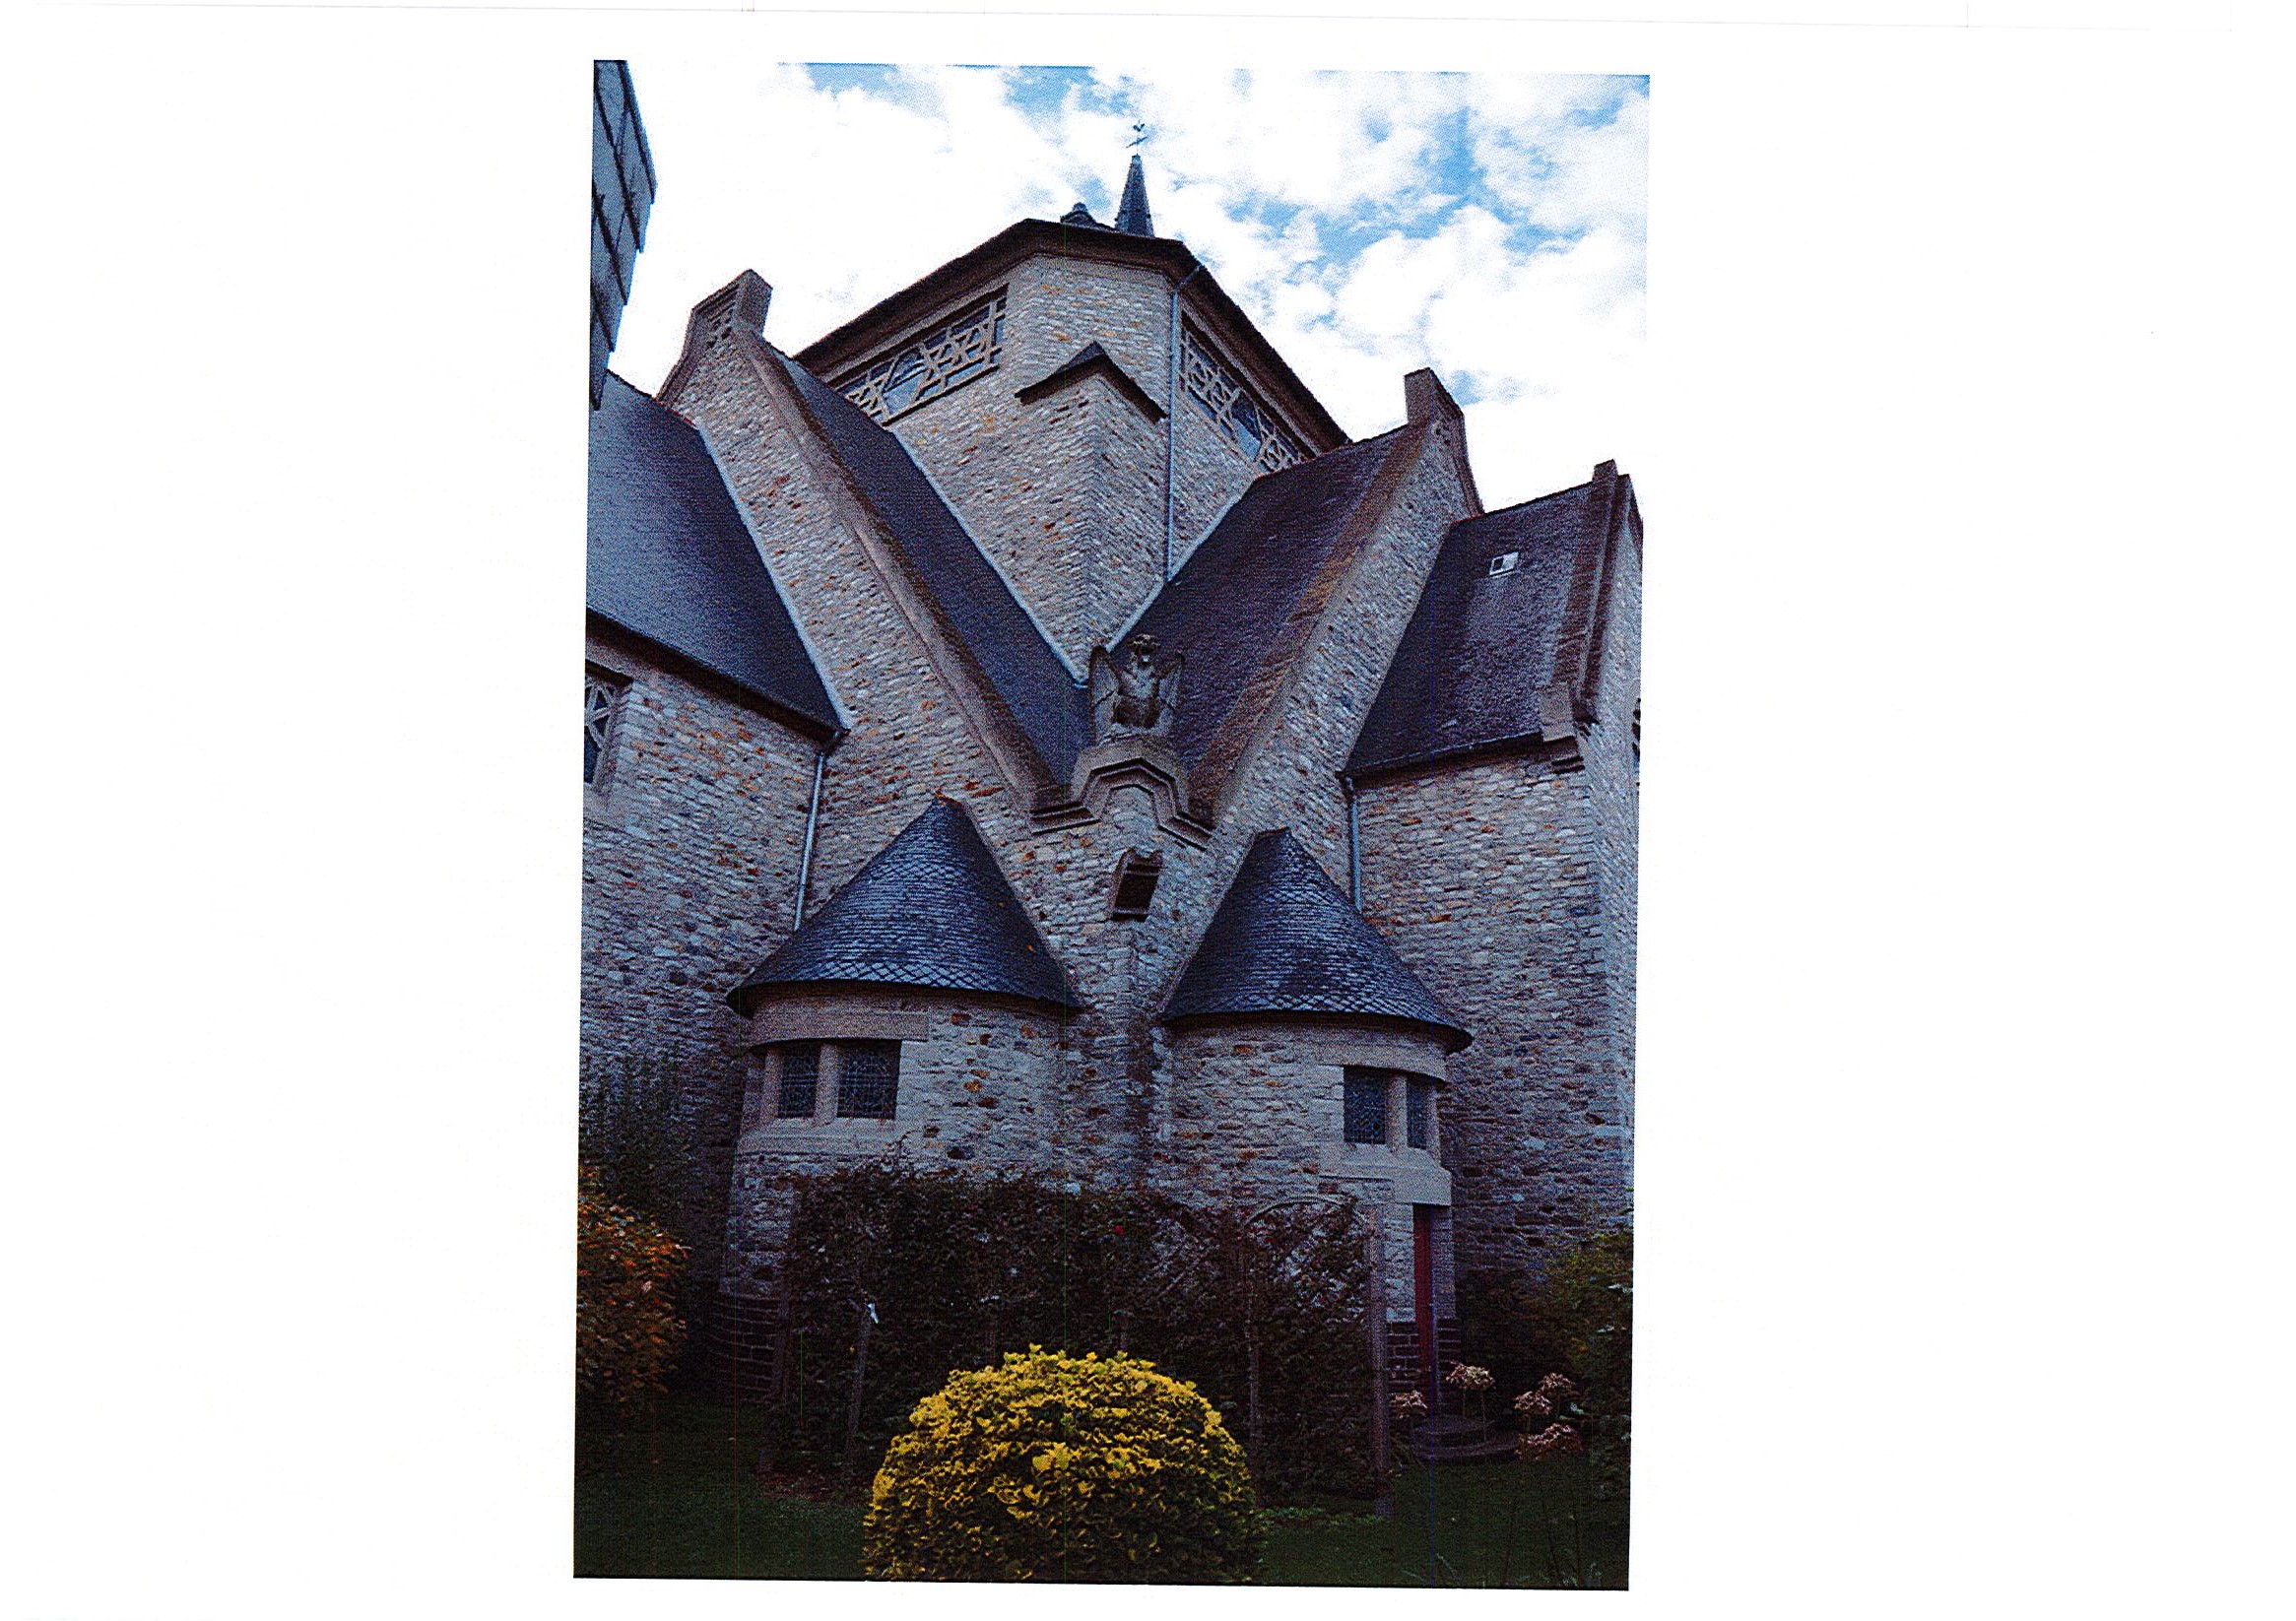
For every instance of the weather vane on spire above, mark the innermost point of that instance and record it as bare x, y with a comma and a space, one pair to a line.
1140, 135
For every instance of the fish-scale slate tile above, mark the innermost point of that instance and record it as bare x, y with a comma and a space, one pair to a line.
1286, 941
671, 561
931, 909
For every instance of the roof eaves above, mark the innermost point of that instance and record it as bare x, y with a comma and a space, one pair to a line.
823, 730
896, 315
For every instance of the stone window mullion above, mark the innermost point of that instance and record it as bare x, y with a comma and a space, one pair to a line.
826, 1087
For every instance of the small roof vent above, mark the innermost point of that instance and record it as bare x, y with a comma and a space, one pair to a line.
1503, 563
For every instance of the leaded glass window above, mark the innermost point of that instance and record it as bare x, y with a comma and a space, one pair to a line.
801, 1074
601, 704
934, 365
869, 1074
1419, 1111
1365, 1106
1233, 406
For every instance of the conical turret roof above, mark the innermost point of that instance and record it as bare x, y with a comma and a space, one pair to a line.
1286, 941
933, 910
1132, 214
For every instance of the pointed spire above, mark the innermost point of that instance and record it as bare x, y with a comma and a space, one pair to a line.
1132, 214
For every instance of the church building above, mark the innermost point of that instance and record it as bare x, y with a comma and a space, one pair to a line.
1023, 731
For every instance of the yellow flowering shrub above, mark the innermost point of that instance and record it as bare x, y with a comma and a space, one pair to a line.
1054, 1468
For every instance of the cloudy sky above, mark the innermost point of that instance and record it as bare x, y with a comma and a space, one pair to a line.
1489, 225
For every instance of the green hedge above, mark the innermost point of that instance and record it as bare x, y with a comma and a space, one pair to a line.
1262, 1311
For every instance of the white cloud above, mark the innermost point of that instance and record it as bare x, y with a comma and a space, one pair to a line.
1489, 227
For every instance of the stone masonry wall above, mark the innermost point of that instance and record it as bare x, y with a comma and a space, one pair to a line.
911, 739
1486, 878
979, 1086
1068, 499
1257, 1117
690, 861
1613, 777
916, 734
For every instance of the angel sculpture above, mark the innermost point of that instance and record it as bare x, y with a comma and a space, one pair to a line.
1132, 691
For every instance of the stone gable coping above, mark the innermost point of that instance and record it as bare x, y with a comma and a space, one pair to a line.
738, 307
1016, 758
1093, 362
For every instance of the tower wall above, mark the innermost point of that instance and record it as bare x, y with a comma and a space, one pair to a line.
1065, 493
690, 858
1487, 879
1257, 1121
979, 1087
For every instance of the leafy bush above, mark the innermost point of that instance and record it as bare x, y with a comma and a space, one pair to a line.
1579, 1321
1063, 1468
1586, 1307
627, 1329
1261, 1312
635, 1135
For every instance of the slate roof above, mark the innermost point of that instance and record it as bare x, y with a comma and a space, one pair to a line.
671, 561
931, 909
1132, 213
1480, 647
1286, 941
985, 617
1224, 610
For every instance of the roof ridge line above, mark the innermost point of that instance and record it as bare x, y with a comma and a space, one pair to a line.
1534, 500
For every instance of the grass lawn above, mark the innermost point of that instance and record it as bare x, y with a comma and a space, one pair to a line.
684, 1501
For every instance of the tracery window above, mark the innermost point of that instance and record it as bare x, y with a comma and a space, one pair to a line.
1365, 1106
1419, 1111
801, 1072
601, 705
1233, 408
934, 365
869, 1074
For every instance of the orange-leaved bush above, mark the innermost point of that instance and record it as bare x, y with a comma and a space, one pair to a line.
1060, 1468
626, 1331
